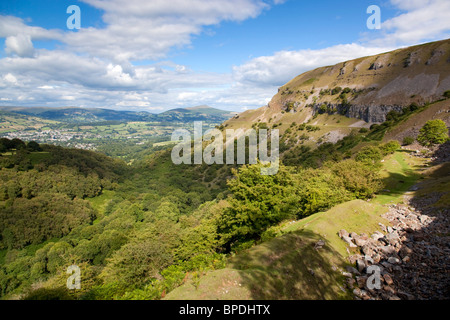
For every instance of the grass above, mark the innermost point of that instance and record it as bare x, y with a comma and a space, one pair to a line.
99, 203
400, 172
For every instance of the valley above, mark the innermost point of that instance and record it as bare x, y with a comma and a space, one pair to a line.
362, 182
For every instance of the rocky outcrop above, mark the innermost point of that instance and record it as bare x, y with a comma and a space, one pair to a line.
367, 113
371, 113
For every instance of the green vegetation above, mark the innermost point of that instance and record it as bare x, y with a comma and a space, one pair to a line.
408, 140
142, 230
433, 132
447, 94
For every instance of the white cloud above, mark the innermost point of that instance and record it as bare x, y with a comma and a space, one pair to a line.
20, 45
138, 30
281, 67
93, 66
424, 20
10, 78
13, 26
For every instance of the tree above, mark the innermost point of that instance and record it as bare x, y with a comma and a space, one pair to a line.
258, 202
33, 146
433, 132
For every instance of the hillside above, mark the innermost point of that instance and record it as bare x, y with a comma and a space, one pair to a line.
307, 259
347, 196
364, 89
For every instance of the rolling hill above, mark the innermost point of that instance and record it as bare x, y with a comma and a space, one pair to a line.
85, 115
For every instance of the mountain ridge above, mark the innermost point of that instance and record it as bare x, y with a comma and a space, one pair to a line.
366, 88
77, 114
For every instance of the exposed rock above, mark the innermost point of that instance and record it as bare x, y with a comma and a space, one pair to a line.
388, 279
393, 260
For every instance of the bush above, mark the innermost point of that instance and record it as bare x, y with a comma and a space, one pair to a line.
447, 94
433, 132
336, 90
369, 155
408, 140
390, 147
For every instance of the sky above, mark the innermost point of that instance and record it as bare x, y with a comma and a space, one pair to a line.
156, 55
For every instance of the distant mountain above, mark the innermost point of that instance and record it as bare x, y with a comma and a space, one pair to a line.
92, 115
199, 113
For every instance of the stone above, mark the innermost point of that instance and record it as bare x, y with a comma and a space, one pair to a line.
360, 265
348, 240
361, 281
393, 260
343, 233
350, 283
347, 274
362, 294
368, 260
389, 289
405, 296
392, 237
352, 259
387, 250
376, 258
387, 278
368, 250
353, 270
387, 265
319, 244
377, 235
360, 241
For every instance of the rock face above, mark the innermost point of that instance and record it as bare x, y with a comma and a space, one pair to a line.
368, 113
412, 256
371, 113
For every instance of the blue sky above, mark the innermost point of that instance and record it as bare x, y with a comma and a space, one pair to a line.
156, 55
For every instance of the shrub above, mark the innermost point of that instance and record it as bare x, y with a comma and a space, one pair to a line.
346, 90
408, 140
390, 147
447, 94
336, 90
433, 132
369, 155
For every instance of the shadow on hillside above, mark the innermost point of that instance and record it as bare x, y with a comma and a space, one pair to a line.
290, 268
426, 242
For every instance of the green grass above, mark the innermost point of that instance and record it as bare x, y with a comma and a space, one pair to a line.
400, 172
99, 203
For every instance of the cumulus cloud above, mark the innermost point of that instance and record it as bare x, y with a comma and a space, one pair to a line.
424, 20
279, 68
20, 45
94, 66
138, 30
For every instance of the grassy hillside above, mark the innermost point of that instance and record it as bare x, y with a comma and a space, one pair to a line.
362, 89
293, 265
